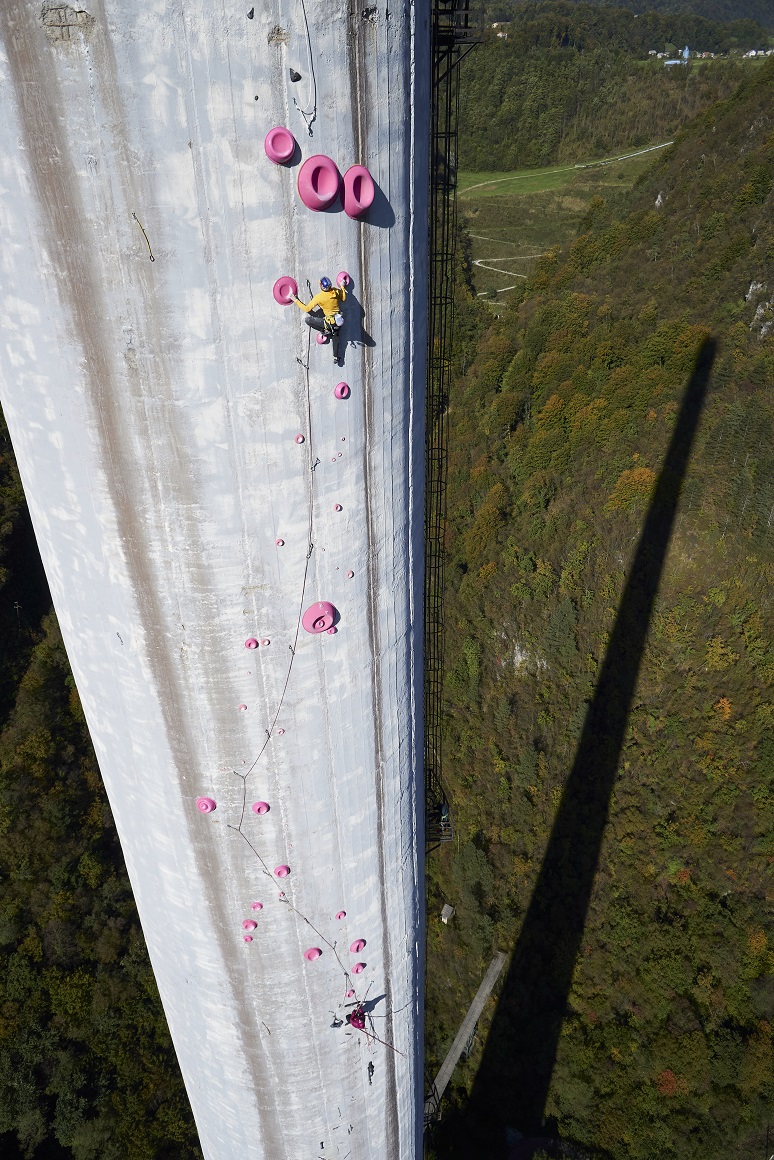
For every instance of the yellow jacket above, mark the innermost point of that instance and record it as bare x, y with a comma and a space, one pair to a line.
327, 300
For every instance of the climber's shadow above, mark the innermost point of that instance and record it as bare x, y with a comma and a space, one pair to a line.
353, 332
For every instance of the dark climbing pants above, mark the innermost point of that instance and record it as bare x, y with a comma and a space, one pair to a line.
317, 322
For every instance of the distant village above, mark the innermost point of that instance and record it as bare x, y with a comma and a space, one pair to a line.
669, 58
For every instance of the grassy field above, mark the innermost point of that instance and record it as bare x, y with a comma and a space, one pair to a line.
514, 217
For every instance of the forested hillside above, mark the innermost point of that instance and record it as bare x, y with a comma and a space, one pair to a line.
573, 82
636, 886
729, 11
86, 1060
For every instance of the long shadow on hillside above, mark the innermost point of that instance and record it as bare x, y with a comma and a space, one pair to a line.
512, 1083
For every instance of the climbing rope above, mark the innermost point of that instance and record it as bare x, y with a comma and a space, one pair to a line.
348, 982
147, 243
309, 115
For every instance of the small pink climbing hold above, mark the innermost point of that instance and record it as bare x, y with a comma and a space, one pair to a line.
280, 731
350, 575
285, 289
251, 642
332, 630
260, 807
341, 914
359, 191
349, 994
243, 707
343, 278
205, 805
333, 458
318, 182
341, 390
280, 145
337, 507
300, 439
358, 968
249, 924
256, 906
322, 339
282, 871
281, 894
319, 617
312, 954
280, 543
247, 938
357, 946
265, 641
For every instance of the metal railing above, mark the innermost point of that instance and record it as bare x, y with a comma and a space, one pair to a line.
452, 37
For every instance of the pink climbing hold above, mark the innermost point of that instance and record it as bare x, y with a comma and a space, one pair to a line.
280, 145
341, 914
280, 732
280, 543
281, 894
300, 439
343, 278
312, 954
251, 642
256, 906
319, 617
359, 191
282, 871
243, 707
358, 968
337, 507
357, 946
322, 339
249, 924
247, 938
265, 641
350, 575
349, 994
205, 805
285, 289
260, 807
341, 390
318, 182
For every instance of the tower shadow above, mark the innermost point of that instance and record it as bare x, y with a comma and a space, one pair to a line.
511, 1086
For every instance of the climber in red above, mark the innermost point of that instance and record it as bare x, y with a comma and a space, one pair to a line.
357, 1019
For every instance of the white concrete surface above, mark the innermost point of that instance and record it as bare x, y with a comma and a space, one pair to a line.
153, 408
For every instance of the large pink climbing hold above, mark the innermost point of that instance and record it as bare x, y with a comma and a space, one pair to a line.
358, 968
251, 642
205, 805
285, 290
343, 278
357, 946
359, 191
318, 182
260, 807
312, 954
341, 390
249, 924
319, 617
280, 145
282, 871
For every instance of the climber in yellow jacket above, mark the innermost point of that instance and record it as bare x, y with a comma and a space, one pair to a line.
323, 312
